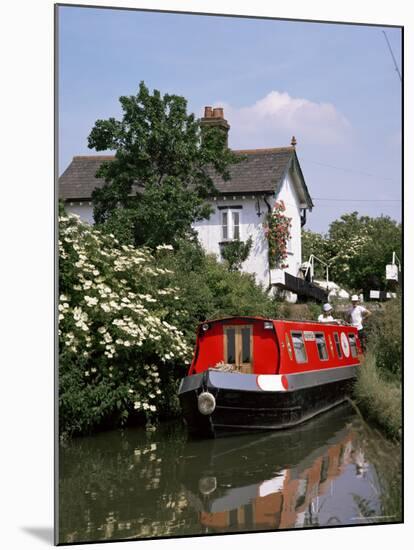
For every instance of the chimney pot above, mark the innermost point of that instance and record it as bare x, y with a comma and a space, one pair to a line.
214, 118
218, 112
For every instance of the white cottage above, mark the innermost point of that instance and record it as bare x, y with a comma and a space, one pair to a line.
263, 177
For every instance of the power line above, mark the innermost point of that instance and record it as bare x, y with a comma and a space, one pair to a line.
347, 170
392, 55
355, 200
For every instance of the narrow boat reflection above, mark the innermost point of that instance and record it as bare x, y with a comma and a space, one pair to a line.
275, 481
137, 484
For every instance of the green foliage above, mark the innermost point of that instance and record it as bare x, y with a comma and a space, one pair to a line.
386, 339
120, 351
357, 249
236, 252
379, 399
378, 388
208, 290
120, 224
316, 244
160, 177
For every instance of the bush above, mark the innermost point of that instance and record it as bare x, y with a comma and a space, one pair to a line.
385, 336
120, 351
380, 400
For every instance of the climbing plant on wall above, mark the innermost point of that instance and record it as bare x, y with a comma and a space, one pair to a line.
277, 231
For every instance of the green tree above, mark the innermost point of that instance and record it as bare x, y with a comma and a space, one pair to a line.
158, 183
361, 247
316, 244
357, 249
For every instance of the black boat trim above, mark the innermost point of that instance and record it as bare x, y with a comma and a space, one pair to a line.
270, 426
261, 409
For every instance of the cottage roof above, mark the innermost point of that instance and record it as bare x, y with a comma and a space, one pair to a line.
261, 171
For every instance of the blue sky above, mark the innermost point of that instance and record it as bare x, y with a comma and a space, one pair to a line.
333, 86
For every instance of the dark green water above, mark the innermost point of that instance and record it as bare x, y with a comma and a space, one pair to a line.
333, 470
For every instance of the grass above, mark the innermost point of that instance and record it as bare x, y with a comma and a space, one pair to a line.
379, 400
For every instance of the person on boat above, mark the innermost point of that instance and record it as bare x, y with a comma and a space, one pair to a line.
326, 315
356, 315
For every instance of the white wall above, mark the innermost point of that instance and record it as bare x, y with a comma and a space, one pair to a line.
83, 209
288, 194
210, 234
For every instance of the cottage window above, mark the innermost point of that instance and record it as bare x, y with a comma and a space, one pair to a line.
337, 345
236, 225
299, 347
321, 344
230, 224
352, 343
224, 225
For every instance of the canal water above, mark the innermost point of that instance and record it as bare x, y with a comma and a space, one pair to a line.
333, 470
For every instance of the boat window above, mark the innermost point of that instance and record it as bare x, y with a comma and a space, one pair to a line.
238, 346
231, 345
245, 332
299, 347
352, 343
321, 344
338, 345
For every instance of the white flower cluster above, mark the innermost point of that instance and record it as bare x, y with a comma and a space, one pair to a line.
114, 304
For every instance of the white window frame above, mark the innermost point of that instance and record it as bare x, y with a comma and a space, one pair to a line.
230, 223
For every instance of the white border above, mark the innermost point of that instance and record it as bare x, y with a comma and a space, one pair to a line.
27, 268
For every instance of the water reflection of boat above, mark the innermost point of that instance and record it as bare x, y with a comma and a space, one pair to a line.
252, 484
250, 373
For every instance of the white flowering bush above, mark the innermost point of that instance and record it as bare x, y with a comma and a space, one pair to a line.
120, 351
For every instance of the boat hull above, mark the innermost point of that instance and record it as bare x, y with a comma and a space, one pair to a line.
242, 405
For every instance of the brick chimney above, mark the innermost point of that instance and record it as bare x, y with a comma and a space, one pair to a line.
214, 118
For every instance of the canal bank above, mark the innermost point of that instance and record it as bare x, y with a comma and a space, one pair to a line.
379, 401
333, 470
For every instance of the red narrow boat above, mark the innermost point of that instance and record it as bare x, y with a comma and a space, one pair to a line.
251, 373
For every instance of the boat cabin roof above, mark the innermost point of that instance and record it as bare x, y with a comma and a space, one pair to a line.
257, 318
262, 345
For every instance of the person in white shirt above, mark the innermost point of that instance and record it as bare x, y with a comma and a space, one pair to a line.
356, 315
326, 316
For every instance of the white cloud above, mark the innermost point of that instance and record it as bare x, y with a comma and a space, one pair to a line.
272, 120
